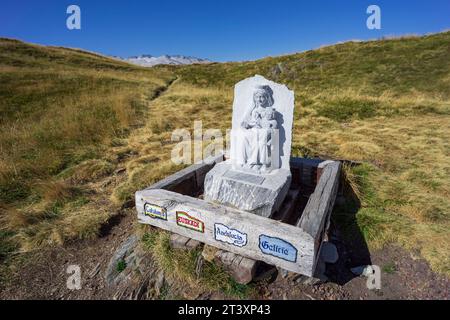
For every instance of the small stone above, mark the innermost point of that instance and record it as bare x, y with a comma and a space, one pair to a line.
241, 269
125, 250
300, 279
357, 271
314, 281
368, 271
193, 244
328, 253
284, 273
362, 270
181, 242
178, 241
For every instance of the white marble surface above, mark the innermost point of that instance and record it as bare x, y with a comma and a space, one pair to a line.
262, 110
257, 176
258, 194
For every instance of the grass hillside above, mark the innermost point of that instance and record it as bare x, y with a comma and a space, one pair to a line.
67, 116
61, 111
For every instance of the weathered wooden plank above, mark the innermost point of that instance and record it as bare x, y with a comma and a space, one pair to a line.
313, 222
288, 211
316, 215
232, 230
321, 167
304, 172
298, 162
321, 201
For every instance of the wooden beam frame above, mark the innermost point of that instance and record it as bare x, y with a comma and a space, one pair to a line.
292, 247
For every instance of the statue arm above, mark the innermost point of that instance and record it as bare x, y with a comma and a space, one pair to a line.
249, 121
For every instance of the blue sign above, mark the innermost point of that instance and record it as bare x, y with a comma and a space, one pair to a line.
278, 248
155, 211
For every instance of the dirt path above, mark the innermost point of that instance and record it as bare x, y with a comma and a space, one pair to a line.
403, 276
44, 276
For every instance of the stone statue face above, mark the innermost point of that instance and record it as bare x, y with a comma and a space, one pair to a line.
261, 99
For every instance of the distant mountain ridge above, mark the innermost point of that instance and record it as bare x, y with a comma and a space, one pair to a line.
147, 60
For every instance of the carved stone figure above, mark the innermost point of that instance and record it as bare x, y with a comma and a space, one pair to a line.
256, 176
254, 148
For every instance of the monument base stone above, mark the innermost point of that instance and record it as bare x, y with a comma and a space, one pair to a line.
258, 194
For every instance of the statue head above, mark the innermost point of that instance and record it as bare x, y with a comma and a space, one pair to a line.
263, 97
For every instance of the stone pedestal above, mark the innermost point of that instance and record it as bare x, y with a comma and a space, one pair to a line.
260, 194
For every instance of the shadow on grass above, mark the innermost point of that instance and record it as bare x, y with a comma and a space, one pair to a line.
347, 235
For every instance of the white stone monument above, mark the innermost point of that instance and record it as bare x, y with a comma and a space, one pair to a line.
257, 176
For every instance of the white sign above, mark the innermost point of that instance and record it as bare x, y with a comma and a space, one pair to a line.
229, 235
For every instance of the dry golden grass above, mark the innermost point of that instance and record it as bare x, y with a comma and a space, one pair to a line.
88, 171
62, 113
177, 108
408, 200
182, 267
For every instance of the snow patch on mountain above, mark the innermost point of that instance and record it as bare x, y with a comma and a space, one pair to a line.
147, 60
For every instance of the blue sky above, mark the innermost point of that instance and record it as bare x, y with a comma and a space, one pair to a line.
216, 29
